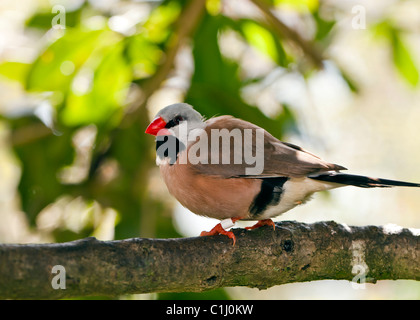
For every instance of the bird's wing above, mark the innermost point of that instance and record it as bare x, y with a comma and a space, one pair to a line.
280, 159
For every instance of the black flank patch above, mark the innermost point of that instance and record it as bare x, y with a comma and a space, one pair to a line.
269, 195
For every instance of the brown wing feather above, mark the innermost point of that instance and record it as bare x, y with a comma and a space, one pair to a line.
280, 159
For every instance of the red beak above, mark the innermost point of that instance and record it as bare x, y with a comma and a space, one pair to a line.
157, 127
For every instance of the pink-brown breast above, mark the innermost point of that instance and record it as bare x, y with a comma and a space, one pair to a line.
207, 195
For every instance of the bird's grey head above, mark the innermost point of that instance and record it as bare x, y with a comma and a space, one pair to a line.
171, 127
176, 113
172, 117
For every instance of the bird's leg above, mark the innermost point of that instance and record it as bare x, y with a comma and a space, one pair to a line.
265, 222
220, 229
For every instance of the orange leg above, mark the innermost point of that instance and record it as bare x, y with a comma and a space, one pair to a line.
265, 222
218, 229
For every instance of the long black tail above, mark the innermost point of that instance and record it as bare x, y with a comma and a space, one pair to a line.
361, 181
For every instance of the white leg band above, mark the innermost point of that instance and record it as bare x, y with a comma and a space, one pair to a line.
227, 223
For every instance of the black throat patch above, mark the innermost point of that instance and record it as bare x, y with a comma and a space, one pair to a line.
168, 147
269, 195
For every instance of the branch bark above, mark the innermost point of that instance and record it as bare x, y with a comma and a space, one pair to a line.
294, 252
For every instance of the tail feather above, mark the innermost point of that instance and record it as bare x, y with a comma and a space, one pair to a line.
361, 181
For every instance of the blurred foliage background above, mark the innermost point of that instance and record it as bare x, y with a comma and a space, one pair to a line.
80, 81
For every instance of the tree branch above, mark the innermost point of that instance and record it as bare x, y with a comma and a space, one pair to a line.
308, 48
294, 252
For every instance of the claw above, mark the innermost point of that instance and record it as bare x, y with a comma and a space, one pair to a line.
265, 222
218, 229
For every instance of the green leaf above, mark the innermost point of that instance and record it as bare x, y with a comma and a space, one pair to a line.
157, 27
216, 87
403, 59
143, 56
56, 66
261, 39
324, 27
43, 20
299, 5
104, 94
14, 70
353, 86
382, 29
260, 36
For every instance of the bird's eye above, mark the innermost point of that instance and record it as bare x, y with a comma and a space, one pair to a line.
174, 122
178, 119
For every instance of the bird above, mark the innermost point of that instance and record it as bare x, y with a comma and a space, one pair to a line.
229, 189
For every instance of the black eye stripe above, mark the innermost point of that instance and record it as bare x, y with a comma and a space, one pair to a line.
174, 122
170, 124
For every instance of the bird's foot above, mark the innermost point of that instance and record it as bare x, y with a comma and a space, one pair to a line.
265, 222
220, 229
